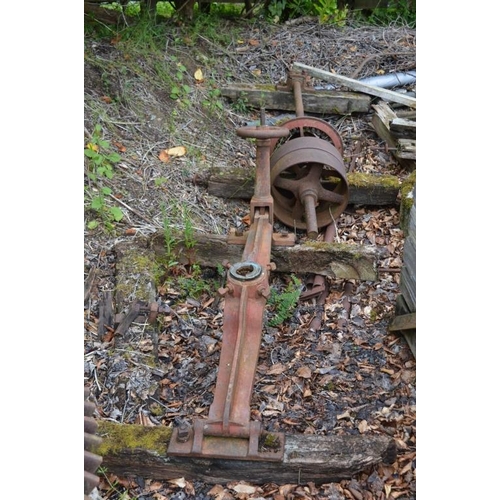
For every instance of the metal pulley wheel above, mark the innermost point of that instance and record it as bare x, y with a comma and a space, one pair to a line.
306, 126
308, 183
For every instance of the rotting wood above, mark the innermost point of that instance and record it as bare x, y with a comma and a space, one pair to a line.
315, 102
409, 334
129, 317
381, 122
388, 95
336, 260
106, 315
89, 283
403, 128
403, 322
364, 189
406, 149
307, 457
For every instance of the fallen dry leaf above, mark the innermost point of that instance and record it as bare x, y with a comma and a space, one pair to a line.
163, 156
286, 489
346, 414
180, 482
276, 369
244, 488
177, 151
198, 75
363, 426
304, 372
155, 486
216, 490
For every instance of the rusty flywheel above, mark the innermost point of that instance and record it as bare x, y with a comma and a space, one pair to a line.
308, 126
308, 183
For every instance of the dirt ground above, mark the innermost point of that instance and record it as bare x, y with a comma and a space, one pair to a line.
351, 376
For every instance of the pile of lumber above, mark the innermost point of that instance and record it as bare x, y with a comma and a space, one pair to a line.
399, 131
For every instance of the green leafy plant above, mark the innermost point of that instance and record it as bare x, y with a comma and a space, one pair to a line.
193, 285
100, 166
180, 90
212, 103
132, 8
165, 9
173, 240
283, 303
170, 241
275, 10
240, 105
397, 12
329, 12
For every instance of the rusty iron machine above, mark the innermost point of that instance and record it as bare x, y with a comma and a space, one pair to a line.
301, 180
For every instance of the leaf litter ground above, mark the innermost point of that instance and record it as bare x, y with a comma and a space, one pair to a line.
349, 376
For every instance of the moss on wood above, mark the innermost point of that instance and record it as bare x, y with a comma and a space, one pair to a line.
407, 200
117, 438
349, 251
359, 179
137, 271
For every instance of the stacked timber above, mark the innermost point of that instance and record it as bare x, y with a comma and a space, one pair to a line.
405, 320
408, 272
399, 132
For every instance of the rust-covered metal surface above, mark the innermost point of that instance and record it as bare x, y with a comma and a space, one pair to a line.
290, 183
91, 441
300, 170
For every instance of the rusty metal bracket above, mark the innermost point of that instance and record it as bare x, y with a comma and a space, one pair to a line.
315, 286
296, 76
278, 239
297, 81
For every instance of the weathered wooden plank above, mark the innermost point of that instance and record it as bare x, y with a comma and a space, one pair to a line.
316, 102
408, 274
381, 121
106, 314
410, 335
403, 322
388, 95
403, 128
364, 189
407, 149
337, 260
134, 450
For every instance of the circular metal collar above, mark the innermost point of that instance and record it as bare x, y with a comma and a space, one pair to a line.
245, 271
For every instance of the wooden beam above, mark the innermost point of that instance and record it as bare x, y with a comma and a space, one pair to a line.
403, 322
381, 122
406, 149
403, 128
307, 457
364, 189
387, 95
316, 102
336, 260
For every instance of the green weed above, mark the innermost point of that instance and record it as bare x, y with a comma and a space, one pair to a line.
283, 304
397, 12
115, 486
99, 167
240, 105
